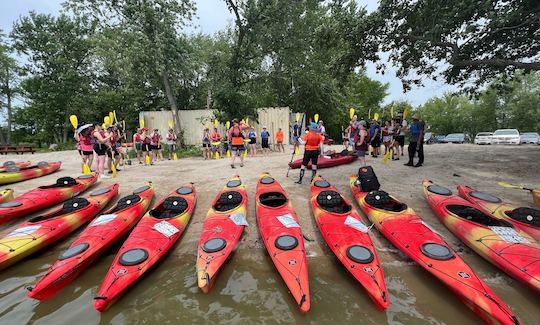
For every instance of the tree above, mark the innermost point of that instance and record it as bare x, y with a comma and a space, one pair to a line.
468, 41
9, 79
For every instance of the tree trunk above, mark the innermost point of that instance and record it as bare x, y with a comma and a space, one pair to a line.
2, 140
64, 134
172, 102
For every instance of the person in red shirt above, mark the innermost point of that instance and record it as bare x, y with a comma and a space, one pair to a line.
312, 140
236, 136
279, 140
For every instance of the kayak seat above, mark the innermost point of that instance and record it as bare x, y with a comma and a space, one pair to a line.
332, 201
125, 202
367, 180
529, 216
61, 182
171, 207
69, 206
382, 200
228, 201
476, 216
273, 199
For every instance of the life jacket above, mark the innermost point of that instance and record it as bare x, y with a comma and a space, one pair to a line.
313, 140
137, 138
155, 140
237, 136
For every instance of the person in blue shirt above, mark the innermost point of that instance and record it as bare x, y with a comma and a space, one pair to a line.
295, 130
265, 135
252, 136
417, 141
375, 138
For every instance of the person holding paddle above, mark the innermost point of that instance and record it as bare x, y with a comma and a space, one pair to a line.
83, 135
171, 143
361, 142
137, 143
215, 136
236, 136
279, 140
312, 140
101, 147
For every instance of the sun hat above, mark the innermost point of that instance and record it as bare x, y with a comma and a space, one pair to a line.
82, 126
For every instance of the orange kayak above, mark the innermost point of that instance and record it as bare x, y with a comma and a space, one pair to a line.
20, 165
14, 174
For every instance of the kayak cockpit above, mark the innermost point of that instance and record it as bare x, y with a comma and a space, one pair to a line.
70, 206
171, 207
474, 215
383, 201
61, 182
227, 201
332, 201
526, 215
273, 199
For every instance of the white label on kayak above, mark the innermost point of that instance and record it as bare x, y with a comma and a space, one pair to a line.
356, 224
103, 219
327, 157
288, 221
238, 219
429, 227
509, 235
166, 228
23, 231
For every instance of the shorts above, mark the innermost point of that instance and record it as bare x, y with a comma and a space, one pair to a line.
86, 153
100, 150
110, 153
238, 148
376, 143
153, 147
206, 145
387, 138
171, 147
295, 139
264, 143
360, 153
138, 146
312, 155
145, 147
252, 141
400, 139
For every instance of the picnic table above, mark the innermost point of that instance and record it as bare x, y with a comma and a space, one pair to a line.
4, 150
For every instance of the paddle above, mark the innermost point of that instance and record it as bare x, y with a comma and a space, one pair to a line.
316, 118
296, 151
351, 113
228, 126
141, 123
376, 116
521, 187
406, 112
75, 122
111, 118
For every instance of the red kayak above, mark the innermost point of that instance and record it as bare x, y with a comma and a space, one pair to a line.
283, 238
93, 241
221, 231
149, 241
411, 235
325, 162
14, 174
347, 236
524, 218
496, 240
45, 196
42, 231
20, 165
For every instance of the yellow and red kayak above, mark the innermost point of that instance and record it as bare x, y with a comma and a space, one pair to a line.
21, 165
524, 218
14, 174
6, 195
41, 231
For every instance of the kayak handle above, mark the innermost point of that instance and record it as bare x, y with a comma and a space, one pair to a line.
29, 288
100, 298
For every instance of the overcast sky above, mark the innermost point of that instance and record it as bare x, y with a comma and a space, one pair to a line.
212, 16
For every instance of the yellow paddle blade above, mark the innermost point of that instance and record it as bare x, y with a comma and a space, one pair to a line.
392, 111
228, 154
74, 121
351, 112
124, 124
175, 156
228, 124
247, 120
115, 118
104, 126
386, 156
86, 169
296, 152
147, 160
245, 153
376, 116
406, 112
316, 118
141, 123
107, 120
297, 117
508, 185
111, 117
217, 155
170, 124
113, 167
216, 123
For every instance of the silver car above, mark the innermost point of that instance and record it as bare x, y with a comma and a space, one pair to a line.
483, 138
530, 137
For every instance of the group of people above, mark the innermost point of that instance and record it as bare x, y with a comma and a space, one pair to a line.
148, 145
363, 137
103, 143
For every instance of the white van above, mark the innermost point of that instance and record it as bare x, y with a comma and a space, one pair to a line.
506, 136
483, 138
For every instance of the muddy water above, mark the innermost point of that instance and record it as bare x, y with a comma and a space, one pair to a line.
249, 290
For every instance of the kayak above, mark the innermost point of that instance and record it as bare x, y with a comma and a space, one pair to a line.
221, 231
93, 241
8, 164
496, 240
150, 240
41, 231
14, 174
347, 236
282, 236
6, 195
45, 196
325, 162
526, 219
417, 239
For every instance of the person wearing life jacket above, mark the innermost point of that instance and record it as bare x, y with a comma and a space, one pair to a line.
83, 135
112, 152
171, 143
137, 144
206, 144
146, 150
361, 142
312, 140
279, 140
101, 145
252, 136
236, 138
155, 145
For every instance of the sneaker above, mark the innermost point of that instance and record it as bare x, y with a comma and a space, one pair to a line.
232, 166
298, 182
241, 165
418, 165
408, 164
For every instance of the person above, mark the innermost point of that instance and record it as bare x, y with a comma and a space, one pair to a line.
101, 146
417, 141
401, 134
112, 152
236, 137
146, 149
215, 136
83, 135
155, 146
345, 137
265, 136
361, 142
137, 143
279, 140
252, 136
322, 131
312, 140
353, 129
171, 143
206, 144
395, 144
375, 137
296, 130
387, 133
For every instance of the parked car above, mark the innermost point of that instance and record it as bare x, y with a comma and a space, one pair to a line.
483, 138
506, 136
428, 138
455, 138
440, 138
530, 137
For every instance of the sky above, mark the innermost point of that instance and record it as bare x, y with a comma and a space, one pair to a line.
213, 15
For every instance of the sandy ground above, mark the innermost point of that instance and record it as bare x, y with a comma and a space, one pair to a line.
446, 164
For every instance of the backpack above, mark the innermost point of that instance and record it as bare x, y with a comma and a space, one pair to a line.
367, 180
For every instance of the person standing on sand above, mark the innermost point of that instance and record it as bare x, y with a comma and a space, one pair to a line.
206, 143
322, 131
137, 144
252, 136
171, 143
417, 141
295, 131
265, 137
215, 136
236, 136
312, 140
401, 124
101, 147
361, 143
279, 140
387, 132
375, 138
83, 135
